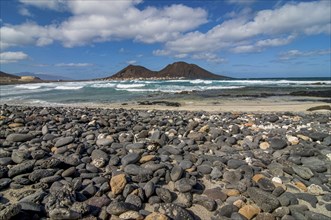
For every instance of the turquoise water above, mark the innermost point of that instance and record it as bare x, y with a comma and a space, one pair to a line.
122, 91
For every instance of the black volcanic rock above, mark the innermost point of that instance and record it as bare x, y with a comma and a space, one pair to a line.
175, 70
188, 71
133, 71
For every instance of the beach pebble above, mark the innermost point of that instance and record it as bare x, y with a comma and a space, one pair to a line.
249, 211
19, 137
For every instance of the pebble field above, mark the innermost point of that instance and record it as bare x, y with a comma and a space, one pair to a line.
93, 163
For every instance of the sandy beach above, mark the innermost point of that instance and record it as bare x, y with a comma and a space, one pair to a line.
274, 104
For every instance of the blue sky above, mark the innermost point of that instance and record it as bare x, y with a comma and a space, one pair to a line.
83, 39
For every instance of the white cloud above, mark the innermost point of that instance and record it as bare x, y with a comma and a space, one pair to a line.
181, 55
131, 62
263, 44
240, 2
40, 65
98, 21
46, 4
174, 26
12, 57
159, 52
24, 34
290, 19
24, 11
73, 64
293, 54
210, 57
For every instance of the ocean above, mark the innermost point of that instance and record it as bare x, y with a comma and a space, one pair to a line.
103, 92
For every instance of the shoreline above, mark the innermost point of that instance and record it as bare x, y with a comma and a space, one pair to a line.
240, 105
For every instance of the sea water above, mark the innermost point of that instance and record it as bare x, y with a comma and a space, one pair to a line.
101, 92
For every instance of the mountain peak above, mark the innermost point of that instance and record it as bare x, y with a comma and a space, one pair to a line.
175, 70
188, 71
133, 71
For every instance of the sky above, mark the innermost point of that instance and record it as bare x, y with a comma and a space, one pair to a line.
86, 39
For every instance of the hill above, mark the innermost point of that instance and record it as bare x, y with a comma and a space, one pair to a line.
133, 71
6, 79
187, 71
7, 75
44, 76
172, 71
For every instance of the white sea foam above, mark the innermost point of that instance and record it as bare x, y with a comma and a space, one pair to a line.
152, 82
68, 87
29, 86
126, 86
273, 82
222, 87
104, 85
200, 81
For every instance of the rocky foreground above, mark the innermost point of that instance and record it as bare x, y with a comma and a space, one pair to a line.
70, 163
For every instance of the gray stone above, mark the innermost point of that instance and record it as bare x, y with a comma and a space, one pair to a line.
19, 137
30, 206
206, 202
216, 173
50, 179
234, 164
64, 141
4, 182
183, 185
174, 211
277, 143
184, 200
133, 169
104, 142
36, 175
316, 216
117, 208
185, 164
24, 167
130, 158
134, 200
281, 211
10, 211
192, 125
215, 193
232, 176
18, 156
38, 154
266, 201
69, 172
311, 199
317, 136
197, 136
35, 197
176, 173
63, 213
4, 161
44, 130
164, 194
227, 210
204, 169
266, 184
149, 189
3, 171
303, 172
